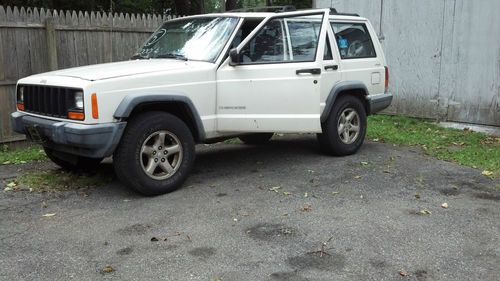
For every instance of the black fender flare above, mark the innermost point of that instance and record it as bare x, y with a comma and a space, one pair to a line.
130, 102
336, 90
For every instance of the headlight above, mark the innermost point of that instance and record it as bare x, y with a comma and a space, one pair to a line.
79, 100
20, 94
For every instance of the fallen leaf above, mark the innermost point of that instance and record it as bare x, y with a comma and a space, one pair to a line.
357, 177
487, 173
108, 269
126, 200
306, 208
7, 189
335, 193
49, 215
6, 163
310, 171
444, 205
417, 196
235, 219
287, 193
425, 212
12, 184
386, 171
364, 163
403, 273
306, 195
375, 140
275, 188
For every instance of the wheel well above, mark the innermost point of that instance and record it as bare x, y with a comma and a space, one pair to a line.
179, 109
358, 93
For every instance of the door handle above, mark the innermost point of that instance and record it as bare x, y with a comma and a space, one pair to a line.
332, 67
313, 71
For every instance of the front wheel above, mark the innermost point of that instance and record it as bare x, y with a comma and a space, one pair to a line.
156, 153
345, 129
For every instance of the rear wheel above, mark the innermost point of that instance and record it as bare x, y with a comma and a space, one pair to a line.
72, 162
258, 138
345, 129
156, 153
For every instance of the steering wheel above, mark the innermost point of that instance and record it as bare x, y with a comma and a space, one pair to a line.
356, 49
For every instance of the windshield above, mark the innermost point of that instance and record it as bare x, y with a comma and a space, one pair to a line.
189, 39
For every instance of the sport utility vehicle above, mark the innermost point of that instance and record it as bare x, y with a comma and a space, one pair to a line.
205, 78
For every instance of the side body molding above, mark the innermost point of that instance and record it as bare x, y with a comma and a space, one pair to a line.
337, 88
130, 102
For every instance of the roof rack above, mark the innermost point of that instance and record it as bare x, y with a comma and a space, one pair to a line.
271, 9
333, 11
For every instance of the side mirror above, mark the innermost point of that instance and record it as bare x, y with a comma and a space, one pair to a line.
234, 57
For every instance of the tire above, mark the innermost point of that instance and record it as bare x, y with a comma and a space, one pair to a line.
146, 163
73, 163
343, 139
255, 139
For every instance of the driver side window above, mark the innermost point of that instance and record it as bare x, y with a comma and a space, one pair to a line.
353, 40
288, 39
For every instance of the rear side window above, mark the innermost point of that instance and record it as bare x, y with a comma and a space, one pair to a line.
353, 40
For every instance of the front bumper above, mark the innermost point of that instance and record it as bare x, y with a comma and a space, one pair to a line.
94, 141
380, 102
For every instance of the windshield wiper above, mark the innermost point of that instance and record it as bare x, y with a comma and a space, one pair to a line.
170, 56
138, 57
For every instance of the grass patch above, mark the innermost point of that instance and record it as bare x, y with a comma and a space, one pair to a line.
466, 148
233, 141
21, 156
59, 180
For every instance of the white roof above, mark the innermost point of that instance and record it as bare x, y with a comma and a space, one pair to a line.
268, 14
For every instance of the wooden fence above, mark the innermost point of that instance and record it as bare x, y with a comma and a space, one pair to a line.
37, 40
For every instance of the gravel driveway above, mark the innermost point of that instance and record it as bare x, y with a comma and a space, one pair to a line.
277, 212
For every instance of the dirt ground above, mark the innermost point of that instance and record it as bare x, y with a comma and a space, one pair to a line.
282, 211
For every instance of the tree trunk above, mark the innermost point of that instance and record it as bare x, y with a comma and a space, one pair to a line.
197, 7
182, 7
231, 5
269, 2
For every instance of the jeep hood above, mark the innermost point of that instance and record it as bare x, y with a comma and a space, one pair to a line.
120, 69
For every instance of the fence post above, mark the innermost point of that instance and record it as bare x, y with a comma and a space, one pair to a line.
50, 33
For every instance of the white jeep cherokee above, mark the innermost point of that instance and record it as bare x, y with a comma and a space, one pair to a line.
205, 78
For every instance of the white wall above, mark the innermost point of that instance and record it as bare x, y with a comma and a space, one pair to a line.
443, 55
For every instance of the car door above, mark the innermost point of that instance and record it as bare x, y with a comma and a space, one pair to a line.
275, 87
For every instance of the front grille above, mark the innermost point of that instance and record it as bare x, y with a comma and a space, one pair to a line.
49, 100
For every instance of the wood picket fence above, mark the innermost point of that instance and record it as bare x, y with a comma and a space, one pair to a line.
36, 40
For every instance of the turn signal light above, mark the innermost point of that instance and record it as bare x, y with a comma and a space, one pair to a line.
76, 115
95, 108
20, 106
